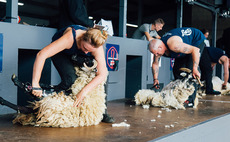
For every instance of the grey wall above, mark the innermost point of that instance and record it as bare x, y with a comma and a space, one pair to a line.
116, 81
17, 36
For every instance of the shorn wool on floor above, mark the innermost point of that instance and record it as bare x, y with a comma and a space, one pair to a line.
57, 110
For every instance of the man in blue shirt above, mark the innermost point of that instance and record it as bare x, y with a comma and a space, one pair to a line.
185, 45
216, 55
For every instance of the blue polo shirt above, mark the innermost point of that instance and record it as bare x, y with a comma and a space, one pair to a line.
191, 36
215, 54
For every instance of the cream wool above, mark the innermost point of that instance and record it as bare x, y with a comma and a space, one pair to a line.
57, 110
172, 95
217, 85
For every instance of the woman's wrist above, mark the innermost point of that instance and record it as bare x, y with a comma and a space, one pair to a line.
35, 84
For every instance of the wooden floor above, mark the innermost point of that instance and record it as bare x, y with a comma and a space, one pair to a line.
145, 124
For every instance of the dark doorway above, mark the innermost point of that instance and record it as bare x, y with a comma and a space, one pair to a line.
133, 75
26, 59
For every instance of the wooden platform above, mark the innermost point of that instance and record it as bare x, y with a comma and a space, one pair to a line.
145, 124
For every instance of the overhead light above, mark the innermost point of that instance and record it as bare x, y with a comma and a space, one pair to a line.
190, 1
90, 17
225, 14
132, 25
20, 4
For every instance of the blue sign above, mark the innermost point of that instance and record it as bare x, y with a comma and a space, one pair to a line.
112, 52
1, 51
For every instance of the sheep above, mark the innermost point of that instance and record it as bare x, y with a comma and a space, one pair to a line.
173, 95
217, 85
56, 110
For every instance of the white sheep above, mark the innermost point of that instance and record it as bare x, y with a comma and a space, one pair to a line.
57, 110
217, 85
173, 95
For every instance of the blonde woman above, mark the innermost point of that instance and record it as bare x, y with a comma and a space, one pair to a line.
68, 41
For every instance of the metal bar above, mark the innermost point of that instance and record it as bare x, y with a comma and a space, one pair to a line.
205, 6
179, 13
140, 9
12, 11
122, 18
214, 28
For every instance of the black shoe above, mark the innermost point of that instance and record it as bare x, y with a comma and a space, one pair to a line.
188, 104
107, 119
213, 92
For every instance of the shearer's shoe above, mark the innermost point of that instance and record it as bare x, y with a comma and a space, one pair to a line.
213, 92
107, 118
188, 104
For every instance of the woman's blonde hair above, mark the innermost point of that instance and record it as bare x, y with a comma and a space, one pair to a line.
95, 37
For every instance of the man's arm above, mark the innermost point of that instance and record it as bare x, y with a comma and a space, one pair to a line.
158, 37
148, 36
213, 65
155, 69
224, 60
175, 43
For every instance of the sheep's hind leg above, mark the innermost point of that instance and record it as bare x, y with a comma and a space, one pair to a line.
21, 109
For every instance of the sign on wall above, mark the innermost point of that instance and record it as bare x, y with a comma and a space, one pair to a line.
1, 51
112, 52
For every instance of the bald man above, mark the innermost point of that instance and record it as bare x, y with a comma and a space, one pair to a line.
185, 45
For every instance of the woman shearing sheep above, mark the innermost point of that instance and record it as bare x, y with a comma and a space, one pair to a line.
68, 41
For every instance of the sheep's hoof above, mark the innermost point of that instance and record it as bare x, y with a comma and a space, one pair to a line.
107, 118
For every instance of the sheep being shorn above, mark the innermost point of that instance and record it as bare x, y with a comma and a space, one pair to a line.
57, 110
173, 95
217, 85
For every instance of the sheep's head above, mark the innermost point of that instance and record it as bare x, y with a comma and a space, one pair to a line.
84, 62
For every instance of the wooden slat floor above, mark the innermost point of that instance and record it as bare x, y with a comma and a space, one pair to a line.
142, 125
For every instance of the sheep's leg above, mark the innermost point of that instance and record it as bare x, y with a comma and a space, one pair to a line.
21, 109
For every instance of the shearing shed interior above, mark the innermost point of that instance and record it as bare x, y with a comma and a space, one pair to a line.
141, 113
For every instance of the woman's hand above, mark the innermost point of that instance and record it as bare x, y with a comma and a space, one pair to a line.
37, 91
80, 96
